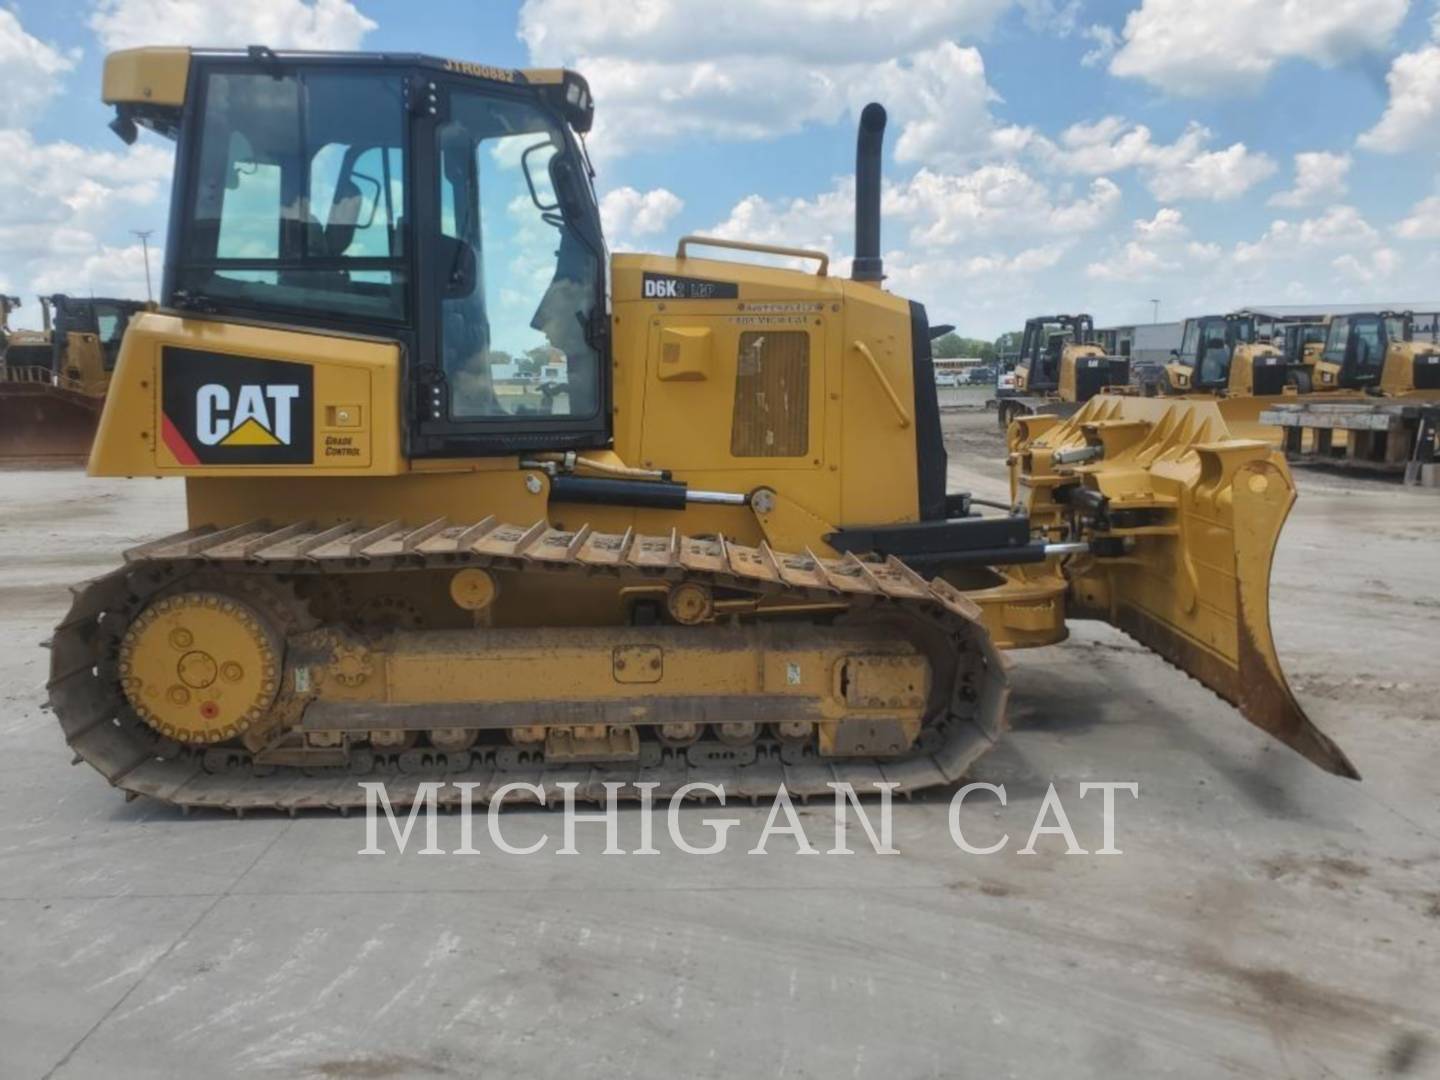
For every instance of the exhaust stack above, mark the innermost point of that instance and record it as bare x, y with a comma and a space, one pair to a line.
868, 265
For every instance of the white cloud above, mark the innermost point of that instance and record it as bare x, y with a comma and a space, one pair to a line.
628, 214
1112, 144
938, 100
58, 204
1339, 228
30, 71
1106, 41
765, 68
934, 214
1423, 222
1229, 47
1161, 245
801, 31
995, 200
1219, 175
1371, 269
1135, 262
1058, 17
281, 24
1167, 224
1412, 116
941, 99
1319, 177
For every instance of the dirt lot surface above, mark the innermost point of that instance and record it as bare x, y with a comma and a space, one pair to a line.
1265, 919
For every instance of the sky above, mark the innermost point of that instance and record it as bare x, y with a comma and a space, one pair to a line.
1042, 155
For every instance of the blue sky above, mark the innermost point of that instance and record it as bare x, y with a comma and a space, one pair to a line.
1043, 154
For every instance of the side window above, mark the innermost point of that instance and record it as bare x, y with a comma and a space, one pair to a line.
299, 193
1369, 353
772, 395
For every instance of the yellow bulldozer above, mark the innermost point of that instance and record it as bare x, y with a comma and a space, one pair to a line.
1060, 367
1380, 352
710, 542
1228, 356
53, 381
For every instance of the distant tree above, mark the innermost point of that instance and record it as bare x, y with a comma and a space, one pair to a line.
948, 347
952, 347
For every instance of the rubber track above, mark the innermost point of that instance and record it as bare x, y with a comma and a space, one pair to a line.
105, 733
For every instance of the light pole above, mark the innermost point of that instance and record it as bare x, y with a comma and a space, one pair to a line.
1155, 313
144, 235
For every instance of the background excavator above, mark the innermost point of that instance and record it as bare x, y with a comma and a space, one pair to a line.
721, 547
53, 381
1060, 367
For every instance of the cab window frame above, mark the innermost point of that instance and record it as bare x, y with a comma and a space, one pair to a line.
435, 431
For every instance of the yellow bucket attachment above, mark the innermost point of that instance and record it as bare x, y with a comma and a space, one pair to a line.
1182, 518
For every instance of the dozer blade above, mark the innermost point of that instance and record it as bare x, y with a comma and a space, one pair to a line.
1183, 519
45, 424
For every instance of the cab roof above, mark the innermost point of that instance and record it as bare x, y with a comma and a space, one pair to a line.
150, 82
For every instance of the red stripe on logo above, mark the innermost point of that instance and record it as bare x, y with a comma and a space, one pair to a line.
176, 442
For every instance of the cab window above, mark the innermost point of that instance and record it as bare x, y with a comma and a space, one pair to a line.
1369, 347
519, 285
299, 194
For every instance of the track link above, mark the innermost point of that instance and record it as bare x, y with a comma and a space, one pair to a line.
104, 731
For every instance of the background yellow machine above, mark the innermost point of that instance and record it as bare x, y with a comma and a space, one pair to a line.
455, 513
53, 381
1060, 367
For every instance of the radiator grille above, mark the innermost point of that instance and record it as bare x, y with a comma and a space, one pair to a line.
772, 395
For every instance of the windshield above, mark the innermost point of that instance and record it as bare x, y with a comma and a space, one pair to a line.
299, 194
521, 284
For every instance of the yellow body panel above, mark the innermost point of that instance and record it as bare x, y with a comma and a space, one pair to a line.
355, 408
148, 76
1069, 356
1397, 377
859, 463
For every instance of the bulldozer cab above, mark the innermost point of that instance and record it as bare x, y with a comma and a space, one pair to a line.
1367, 349
446, 206
1206, 348
1300, 344
1042, 348
1226, 354
86, 334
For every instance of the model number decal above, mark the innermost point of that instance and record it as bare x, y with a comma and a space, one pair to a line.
670, 287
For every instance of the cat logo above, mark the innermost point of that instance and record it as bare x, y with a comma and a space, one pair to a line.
219, 409
261, 415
